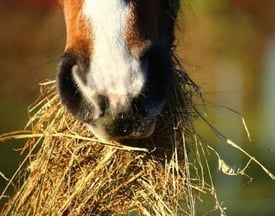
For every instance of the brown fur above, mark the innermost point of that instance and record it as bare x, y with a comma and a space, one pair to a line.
141, 29
79, 36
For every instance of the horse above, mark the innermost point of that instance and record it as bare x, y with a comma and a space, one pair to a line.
115, 74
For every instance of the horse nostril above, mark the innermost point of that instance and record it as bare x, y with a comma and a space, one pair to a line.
66, 86
138, 106
68, 89
103, 104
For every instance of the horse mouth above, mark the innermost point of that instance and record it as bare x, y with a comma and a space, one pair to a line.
123, 129
135, 116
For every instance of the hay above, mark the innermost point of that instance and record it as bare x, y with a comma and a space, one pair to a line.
70, 172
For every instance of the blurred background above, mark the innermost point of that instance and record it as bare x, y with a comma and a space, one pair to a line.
227, 47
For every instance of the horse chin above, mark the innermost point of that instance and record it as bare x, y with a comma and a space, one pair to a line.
138, 133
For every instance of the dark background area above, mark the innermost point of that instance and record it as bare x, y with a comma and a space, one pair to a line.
228, 47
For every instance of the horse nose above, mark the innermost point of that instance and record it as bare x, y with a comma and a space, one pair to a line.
102, 105
109, 106
119, 106
67, 88
125, 121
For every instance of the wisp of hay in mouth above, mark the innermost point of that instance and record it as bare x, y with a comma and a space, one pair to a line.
67, 171
70, 172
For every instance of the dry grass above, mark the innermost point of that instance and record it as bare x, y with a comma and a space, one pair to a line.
73, 173
70, 172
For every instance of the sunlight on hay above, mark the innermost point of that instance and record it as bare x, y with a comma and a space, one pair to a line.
70, 172
73, 173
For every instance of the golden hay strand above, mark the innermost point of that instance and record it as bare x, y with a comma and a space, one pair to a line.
70, 172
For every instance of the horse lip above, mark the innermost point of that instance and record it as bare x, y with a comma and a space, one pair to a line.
137, 133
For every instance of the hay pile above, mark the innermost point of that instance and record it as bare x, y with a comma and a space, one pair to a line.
70, 172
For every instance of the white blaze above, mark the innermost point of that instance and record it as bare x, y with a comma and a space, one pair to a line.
113, 72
